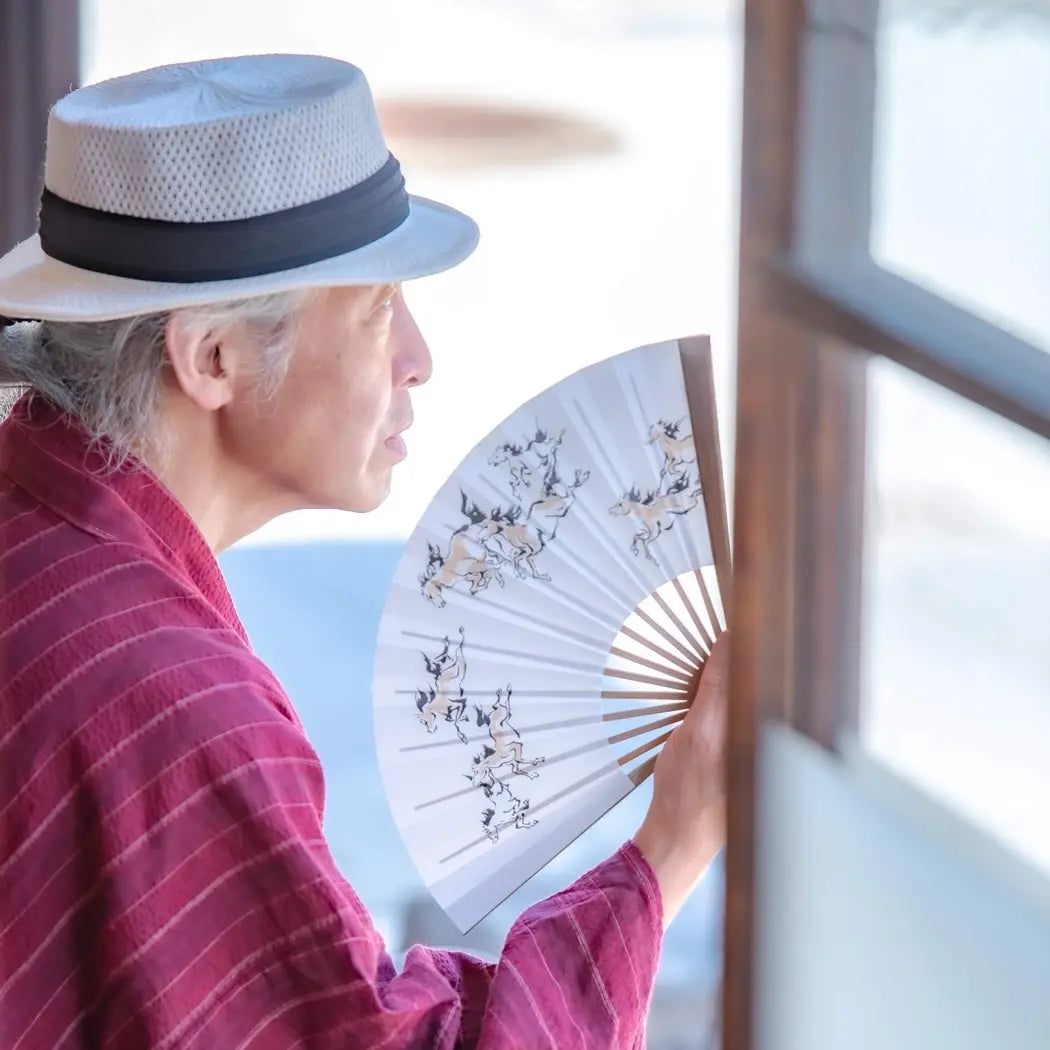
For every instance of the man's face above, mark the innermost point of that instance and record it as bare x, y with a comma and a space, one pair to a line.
330, 436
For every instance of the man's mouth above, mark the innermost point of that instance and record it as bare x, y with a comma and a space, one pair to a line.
396, 444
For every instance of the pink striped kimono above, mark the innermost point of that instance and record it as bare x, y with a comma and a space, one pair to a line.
164, 880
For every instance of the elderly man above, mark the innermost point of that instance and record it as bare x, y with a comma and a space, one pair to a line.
217, 335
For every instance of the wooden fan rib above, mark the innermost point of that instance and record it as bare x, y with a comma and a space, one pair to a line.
665, 634
708, 603
640, 774
637, 694
694, 616
677, 621
639, 712
630, 734
642, 661
695, 355
689, 666
632, 676
642, 749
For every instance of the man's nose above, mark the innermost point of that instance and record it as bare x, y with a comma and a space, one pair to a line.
413, 363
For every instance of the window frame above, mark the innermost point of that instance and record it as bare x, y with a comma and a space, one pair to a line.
813, 309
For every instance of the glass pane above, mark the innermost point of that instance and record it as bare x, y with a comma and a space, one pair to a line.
961, 180
956, 634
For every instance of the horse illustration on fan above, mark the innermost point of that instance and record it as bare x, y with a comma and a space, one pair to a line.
444, 698
515, 537
506, 749
678, 450
556, 498
657, 512
528, 537
515, 542
497, 531
466, 561
504, 809
525, 462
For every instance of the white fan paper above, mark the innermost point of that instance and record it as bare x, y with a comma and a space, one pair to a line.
548, 621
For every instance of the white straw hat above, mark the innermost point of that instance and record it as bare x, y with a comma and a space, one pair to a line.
217, 180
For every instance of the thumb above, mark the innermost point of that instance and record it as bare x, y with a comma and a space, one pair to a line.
707, 712
714, 675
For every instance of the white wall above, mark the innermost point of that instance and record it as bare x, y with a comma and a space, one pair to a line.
885, 923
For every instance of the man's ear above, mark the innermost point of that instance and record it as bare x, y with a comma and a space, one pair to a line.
203, 362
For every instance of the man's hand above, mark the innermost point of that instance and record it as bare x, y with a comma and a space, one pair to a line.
685, 825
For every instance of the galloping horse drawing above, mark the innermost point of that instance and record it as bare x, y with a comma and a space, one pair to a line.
513, 541
678, 450
445, 698
498, 532
489, 542
514, 537
467, 560
525, 461
504, 808
657, 512
506, 749
556, 498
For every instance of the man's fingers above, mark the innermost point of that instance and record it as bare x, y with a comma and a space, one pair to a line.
714, 676
707, 713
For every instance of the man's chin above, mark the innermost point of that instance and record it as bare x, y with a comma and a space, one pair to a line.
365, 500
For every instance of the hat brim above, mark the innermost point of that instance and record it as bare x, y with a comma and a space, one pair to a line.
433, 238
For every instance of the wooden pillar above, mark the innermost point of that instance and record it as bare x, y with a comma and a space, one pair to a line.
39, 63
799, 461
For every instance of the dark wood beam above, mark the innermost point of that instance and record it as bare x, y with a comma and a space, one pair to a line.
760, 663
799, 483
39, 62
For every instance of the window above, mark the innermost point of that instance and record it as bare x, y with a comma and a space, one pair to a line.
956, 653
886, 331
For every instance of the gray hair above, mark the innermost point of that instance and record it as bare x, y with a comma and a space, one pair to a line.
107, 374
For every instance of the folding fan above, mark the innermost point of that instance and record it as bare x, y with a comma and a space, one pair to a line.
548, 621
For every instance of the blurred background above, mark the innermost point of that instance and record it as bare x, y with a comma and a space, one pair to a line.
597, 144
